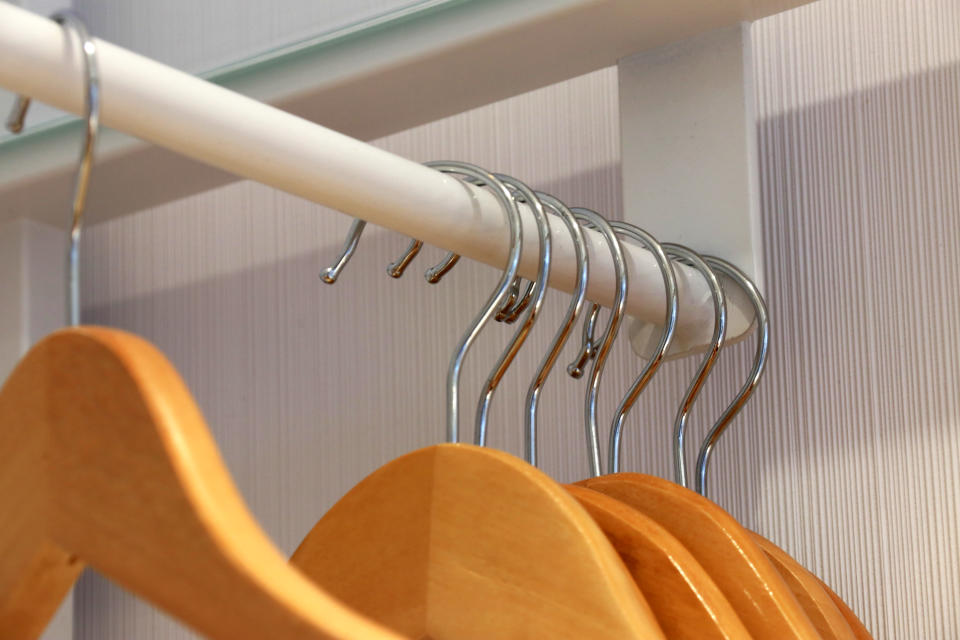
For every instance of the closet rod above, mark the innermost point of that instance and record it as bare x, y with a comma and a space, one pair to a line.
203, 121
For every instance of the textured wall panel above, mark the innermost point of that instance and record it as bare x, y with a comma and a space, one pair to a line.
845, 457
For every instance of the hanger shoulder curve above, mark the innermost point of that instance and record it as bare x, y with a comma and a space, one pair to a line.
820, 608
686, 601
860, 631
748, 580
458, 541
109, 462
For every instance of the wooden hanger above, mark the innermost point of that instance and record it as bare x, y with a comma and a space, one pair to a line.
107, 461
821, 610
686, 601
743, 573
860, 631
458, 541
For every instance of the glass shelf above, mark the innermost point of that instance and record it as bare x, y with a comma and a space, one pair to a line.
231, 44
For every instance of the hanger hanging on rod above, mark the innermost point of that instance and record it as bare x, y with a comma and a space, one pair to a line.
820, 608
758, 594
684, 599
394, 546
108, 462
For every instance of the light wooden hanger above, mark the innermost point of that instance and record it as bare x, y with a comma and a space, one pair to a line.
459, 541
724, 549
860, 631
757, 592
683, 597
820, 608
107, 461
685, 600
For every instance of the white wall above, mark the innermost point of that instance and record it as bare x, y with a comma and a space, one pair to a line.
845, 457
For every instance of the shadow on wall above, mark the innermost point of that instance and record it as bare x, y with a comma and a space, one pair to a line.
860, 411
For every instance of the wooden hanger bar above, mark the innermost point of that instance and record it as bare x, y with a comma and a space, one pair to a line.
457, 541
757, 592
107, 461
821, 610
687, 602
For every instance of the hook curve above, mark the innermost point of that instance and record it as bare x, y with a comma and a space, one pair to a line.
670, 323
692, 258
499, 294
756, 372
563, 332
593, 219
74, 25
536, 302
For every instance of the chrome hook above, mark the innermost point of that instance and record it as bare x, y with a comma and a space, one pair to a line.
759, 365
690, 257
670, 323
595, 220
589, 347
395, 269
540, 288
15, 123
331, 273
563, 333
496, 299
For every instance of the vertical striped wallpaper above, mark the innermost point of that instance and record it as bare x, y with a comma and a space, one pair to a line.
846, 457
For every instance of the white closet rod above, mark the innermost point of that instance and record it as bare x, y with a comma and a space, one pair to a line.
211, 124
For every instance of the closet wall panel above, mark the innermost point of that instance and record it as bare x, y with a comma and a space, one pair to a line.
845, 457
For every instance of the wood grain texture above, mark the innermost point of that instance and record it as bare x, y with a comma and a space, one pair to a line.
108, 461
845, 456
807, 589
685, 599
457, 541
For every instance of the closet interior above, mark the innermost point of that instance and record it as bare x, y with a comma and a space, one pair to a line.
522, 510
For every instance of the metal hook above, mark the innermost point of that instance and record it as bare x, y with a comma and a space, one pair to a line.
15, 123
540, 288
331, 273
563, 333
589, 347
395, 269
434, 274
496, 299
510, 313
759, 364
511, 300
690, 257
595, 220
669, 324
